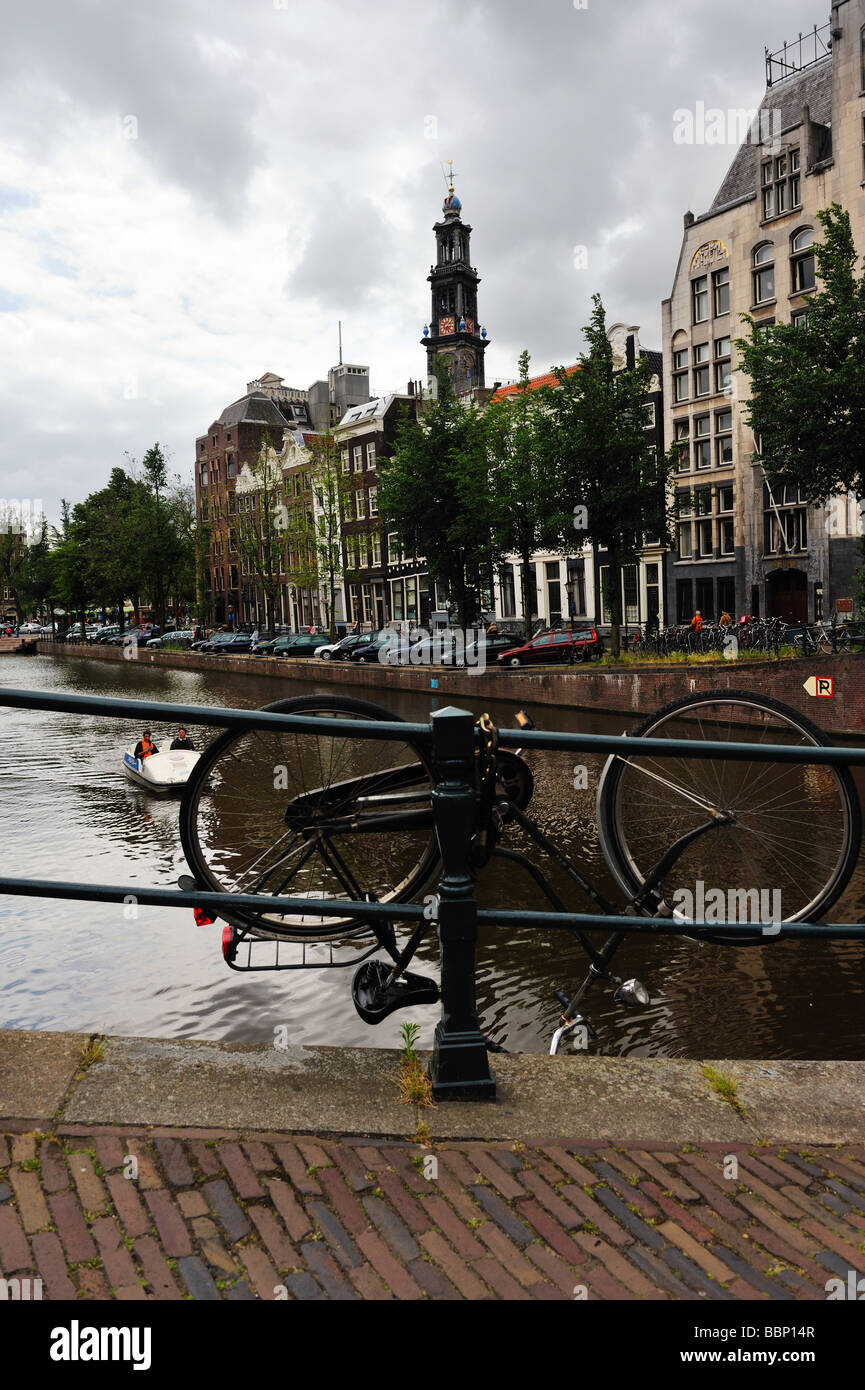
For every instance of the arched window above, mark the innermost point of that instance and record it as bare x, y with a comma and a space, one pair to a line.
205, 476
802, 261
764, 273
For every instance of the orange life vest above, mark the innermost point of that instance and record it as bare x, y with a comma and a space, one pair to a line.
147, 747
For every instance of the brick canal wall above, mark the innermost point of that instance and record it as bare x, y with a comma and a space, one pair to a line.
637, 691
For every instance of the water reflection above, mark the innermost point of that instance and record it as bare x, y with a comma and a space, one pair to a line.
66, 812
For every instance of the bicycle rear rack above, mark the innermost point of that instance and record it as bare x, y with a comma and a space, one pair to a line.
244, 953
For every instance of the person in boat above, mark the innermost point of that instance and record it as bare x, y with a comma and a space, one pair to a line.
183, 742
145, 747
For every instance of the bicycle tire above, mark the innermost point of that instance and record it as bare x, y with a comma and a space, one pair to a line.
630, 866
411, 876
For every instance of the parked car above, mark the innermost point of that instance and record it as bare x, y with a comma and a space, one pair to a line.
341, 650
29, 630
550, 648
105, 633
289, 645
181, 641
225, 644
373, 644
134, 634
491, 646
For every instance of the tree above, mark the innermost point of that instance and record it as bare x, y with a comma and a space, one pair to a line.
40, 579
116, 521
600, 458
332, 496
434, 492
74, 576
261, 524
519, 482
13, 555
807, 404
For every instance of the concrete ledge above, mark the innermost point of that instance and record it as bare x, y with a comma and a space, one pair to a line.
633, 690
326, 1090
36, 1071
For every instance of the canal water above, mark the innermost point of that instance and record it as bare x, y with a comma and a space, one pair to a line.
67, 812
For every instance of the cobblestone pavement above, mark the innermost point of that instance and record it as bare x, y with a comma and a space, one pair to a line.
131, 1213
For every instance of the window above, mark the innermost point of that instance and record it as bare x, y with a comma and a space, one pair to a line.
394, 554
686, 550
205, 477
680, 375
704, 539
799, 318
683, 450
721, 291
231, 470
785, 521
724, 438
373, 501
700, 299
703, 443
725, 499
726, 537
376, 550
360, 505
764, 273
345, 463
684, 503
684, 600
701, 369
358, 458
723, 365
649, 412
703, 501
802, 277
204, 509
370, 456
781, 182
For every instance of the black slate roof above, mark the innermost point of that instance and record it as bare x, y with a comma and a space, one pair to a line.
812, 88
254, 409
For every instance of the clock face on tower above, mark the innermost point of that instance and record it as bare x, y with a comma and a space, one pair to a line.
446, 325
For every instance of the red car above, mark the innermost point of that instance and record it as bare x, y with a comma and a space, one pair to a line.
583, 644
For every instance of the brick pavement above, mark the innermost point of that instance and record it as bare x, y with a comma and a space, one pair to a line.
171, 1214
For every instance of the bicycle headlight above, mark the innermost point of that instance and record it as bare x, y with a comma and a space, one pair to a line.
631, 993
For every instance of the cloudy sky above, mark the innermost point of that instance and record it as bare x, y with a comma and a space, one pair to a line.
193, 192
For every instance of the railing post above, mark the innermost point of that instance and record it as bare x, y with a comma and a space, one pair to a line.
460, 1068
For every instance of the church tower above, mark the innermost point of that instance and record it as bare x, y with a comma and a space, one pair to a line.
453, 331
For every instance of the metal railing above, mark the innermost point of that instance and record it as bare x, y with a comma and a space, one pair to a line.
460, 1064
802, 53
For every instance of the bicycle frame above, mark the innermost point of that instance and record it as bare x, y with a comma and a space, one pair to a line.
460, 1066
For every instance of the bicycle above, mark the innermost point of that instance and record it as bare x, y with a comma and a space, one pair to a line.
327, 815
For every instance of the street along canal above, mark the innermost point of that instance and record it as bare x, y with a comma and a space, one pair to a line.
66, 812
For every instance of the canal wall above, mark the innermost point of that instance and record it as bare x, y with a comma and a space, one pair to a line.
632, 690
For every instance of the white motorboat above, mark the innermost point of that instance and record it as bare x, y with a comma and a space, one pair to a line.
161, 772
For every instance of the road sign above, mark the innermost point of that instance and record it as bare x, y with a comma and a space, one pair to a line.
821, 686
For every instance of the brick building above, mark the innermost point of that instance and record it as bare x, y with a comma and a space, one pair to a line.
740, 545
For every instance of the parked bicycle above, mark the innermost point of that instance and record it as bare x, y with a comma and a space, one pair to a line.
325, 815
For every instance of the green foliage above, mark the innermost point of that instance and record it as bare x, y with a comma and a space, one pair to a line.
807, 404
599, 455
259, 526
434, 491
520, 485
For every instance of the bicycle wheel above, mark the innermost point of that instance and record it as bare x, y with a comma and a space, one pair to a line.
795, 831
290, 814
